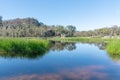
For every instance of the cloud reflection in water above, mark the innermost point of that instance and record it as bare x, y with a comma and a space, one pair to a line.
79, 73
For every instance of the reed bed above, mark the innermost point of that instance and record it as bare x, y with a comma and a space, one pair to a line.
23, 45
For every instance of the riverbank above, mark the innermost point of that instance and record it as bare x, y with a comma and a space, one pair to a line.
80, 39
39, 45
24, 45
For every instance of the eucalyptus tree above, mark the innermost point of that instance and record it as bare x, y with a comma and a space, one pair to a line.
71, 29
0, 21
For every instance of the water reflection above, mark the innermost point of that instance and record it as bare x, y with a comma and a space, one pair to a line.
22, 55
114, 56
87, 64
78, 73
100, 45
57, 45
54, 46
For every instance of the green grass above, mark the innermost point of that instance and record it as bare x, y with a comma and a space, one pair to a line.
113, 47
79, 39
23, 45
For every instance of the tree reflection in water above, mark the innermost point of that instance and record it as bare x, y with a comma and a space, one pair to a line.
22, 55
54, 46
102, 46
57, 45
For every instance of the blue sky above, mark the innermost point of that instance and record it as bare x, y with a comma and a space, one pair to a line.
84, 14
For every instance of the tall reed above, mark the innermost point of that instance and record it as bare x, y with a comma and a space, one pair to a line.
113, 47
22, 45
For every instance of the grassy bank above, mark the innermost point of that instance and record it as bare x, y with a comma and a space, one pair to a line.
79, 39
22, 45
113, 47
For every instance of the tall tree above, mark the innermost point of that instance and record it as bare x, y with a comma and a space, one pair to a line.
71, 29
0, 21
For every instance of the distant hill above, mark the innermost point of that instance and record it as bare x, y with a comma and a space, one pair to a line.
25, 22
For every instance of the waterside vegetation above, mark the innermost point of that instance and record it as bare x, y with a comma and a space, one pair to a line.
113, 47
24, 45
79, 39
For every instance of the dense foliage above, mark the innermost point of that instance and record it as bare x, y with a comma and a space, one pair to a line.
30, 27
108, 32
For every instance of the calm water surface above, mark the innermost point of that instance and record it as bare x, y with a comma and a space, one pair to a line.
64, 61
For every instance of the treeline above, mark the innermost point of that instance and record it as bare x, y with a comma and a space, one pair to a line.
30, 27
108, 32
